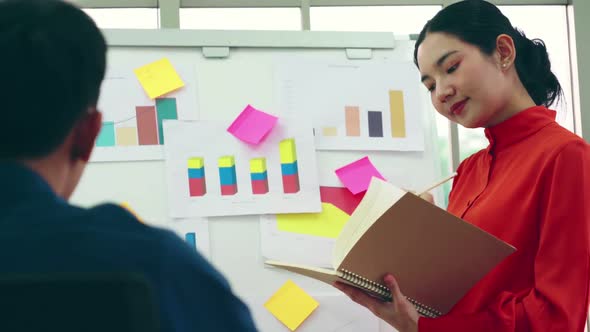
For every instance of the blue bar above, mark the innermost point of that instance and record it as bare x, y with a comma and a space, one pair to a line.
258, 176
227, 175
106, 137
375, 124
289, 169
196, 173
191, 239
166, 110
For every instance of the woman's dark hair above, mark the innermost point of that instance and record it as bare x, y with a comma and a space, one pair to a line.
479, 23
53, 60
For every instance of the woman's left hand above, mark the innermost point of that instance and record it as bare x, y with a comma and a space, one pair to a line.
400, 313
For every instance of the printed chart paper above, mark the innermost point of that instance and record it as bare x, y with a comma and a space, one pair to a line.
308, 238
352, 105
132, 122
195, 231
211, 173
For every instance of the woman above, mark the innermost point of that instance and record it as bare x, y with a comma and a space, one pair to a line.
530, 187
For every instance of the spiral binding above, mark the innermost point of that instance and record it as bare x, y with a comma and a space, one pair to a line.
384, 292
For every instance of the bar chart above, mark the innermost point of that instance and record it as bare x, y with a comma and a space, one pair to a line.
147, 129
374, 119
230, 177
354, 106
132, 128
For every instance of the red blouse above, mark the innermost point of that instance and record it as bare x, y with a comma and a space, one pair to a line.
530, 188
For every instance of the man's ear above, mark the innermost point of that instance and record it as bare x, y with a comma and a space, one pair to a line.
505, 50
85, 133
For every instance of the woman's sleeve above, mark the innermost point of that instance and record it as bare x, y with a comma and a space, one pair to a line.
559, 299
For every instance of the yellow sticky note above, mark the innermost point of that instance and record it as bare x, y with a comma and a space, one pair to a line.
328, 223
158, 78
128, 208
291, 305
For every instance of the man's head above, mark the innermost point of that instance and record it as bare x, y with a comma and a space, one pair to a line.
52, 63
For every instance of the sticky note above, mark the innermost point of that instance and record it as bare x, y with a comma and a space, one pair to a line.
341, 198
252, 125
291, 305
328, 223
357, 175
158, 78
127, 207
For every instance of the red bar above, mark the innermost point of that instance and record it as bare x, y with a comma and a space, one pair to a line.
291, 183
228, 190
259, 187
197, 187
147, 127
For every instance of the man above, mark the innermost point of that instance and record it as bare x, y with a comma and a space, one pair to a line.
52, 62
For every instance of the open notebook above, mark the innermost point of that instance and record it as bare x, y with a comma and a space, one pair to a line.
435, 256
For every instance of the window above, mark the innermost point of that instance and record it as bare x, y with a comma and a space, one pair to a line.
548, 23
240, 18
401, 20
124, 18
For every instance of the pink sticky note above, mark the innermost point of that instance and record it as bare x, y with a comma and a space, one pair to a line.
357, 175
252, 125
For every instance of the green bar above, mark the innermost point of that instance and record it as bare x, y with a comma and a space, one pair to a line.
166, 109
106, 137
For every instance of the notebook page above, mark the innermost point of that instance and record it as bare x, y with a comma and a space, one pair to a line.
379, 198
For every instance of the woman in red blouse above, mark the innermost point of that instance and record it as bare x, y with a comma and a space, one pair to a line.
530, 187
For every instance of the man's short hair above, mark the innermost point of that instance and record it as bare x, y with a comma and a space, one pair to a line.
52, 62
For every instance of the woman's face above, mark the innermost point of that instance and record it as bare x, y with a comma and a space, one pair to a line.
465, 85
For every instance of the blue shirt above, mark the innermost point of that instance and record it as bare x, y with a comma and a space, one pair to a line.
42, 233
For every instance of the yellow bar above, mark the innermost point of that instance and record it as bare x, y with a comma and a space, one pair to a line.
126, 136
257, 165
398, 117
226, 161
330, 131
196, 162
288, 151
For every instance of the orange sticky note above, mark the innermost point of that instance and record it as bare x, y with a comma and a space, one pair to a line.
291, 305
158, 78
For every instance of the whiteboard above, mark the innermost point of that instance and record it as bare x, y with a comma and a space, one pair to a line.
225, 86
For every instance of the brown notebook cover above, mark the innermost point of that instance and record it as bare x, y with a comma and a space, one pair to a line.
435, 256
